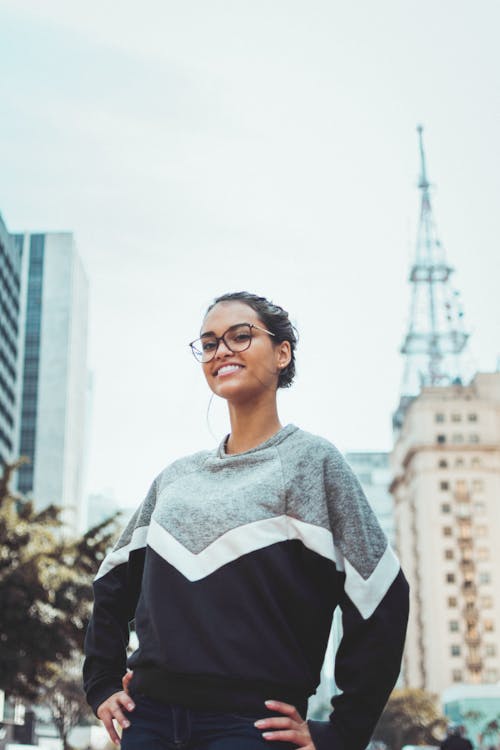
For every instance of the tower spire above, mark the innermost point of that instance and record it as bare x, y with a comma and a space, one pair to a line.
436, 335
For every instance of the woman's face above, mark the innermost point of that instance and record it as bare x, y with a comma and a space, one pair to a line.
238, 376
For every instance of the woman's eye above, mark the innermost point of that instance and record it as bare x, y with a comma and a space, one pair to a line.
240, 337
208, 346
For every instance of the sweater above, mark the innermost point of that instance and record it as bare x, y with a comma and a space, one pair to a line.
231, 568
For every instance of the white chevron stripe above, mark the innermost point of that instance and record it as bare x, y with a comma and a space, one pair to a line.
366, 594
240, 541
119, 556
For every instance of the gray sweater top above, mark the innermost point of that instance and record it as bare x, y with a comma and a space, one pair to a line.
232, 567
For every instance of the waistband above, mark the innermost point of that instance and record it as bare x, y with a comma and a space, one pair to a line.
214, 693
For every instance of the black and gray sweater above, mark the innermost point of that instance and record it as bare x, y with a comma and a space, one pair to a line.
232, 568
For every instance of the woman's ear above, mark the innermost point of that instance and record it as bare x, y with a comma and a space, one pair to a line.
284, 354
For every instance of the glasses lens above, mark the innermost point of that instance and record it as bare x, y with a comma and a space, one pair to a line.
239, 337
204, 349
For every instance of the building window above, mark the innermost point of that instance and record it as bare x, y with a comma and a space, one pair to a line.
472, 417
439, 417
477, 485
459, 462
449, 554
489, 626
456, 417
445, 508
447, 531
443, 463
474, 438
490, 649
454, 626
486, 602
441, 438
484, 577
480, 507
455, 650
444, 486
450, 578
491, 675
481, 530
452, 601
456, 675
483, 553
457, 438
476, 461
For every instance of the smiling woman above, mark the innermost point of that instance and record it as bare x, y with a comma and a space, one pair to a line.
232, 568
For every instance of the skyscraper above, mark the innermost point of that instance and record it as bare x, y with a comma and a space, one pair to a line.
10, 341
446, 485
55, 377
446, 489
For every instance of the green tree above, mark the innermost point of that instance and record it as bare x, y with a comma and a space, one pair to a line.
63, 696
411, 717
45, 590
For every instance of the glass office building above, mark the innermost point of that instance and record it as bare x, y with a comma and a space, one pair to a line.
10, 343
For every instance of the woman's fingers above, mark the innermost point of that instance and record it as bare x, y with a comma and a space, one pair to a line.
111, 711
285, 708
126, 680
288, 728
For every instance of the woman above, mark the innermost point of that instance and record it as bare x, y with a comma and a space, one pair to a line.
232, 568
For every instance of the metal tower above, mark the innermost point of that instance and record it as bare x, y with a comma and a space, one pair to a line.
436, 334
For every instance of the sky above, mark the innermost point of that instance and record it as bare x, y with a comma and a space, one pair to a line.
206, 146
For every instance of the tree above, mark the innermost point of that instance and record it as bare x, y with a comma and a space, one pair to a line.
64, 698
411, 717
45, 590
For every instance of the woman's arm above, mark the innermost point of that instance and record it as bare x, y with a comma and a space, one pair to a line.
116, 591
374, 604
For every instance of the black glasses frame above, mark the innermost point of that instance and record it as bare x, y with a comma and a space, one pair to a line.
200, 355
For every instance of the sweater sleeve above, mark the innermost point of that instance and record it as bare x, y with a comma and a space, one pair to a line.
374, 603
116, 591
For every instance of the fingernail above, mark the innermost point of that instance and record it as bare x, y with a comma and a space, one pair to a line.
269, 701
126, 723
130, 706
267, 735
259, 723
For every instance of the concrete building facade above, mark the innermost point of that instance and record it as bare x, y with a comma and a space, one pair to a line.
446, 488
55, 374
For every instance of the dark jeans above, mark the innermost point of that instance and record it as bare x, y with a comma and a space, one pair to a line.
161, 726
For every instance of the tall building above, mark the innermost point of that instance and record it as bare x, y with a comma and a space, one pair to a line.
10, 344
373, 470
55, 376
446, 488
446, 485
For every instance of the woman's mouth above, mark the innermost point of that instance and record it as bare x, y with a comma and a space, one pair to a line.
227, 370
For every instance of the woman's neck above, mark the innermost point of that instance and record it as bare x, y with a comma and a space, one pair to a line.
251, 425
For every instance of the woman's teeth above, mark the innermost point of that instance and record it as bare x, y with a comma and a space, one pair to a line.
228, 368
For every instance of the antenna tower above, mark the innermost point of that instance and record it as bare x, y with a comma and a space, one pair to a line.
436, 335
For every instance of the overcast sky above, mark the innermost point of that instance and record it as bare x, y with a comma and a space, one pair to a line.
201, 147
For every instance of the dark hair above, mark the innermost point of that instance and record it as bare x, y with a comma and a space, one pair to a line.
275, 320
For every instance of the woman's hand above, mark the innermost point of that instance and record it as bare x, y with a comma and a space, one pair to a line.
288, 728
111, 711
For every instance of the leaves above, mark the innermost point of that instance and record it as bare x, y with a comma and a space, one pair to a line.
411, 717
45, 589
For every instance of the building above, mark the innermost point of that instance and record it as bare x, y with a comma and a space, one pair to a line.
10, 344
55, 377
372, 468
446, 488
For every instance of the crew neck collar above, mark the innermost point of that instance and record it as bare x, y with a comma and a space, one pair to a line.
273, 440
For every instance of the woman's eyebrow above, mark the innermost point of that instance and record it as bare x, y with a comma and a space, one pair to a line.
212, 333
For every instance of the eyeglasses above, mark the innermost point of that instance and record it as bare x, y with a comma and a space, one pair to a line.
237, 338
